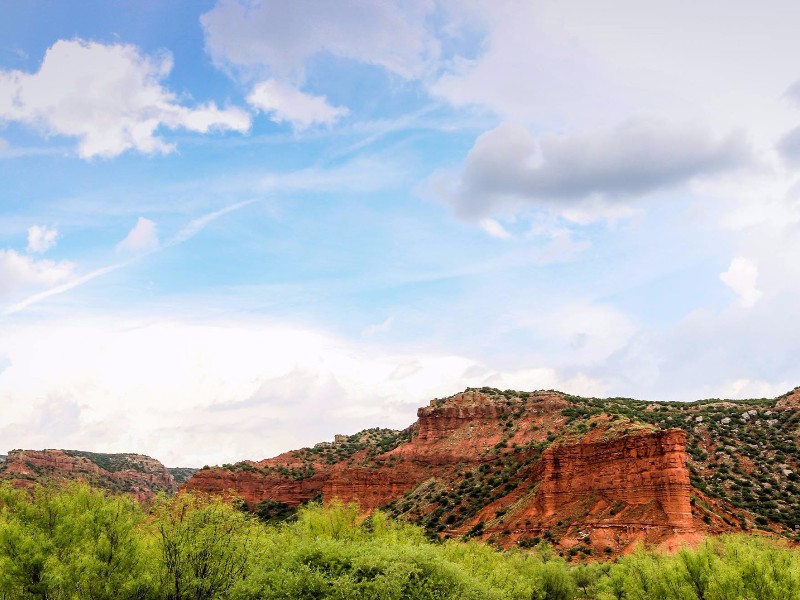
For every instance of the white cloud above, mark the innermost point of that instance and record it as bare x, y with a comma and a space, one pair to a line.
508, 168
273, 41
142, 238
569, 64
526, 72
742, 278
191, 393
495, 229
139, 240
110, 97
41, 238
284, 103
581, 334
280, 37
18, 271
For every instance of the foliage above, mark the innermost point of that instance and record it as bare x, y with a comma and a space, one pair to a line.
719, 569
182, 474
111, 462
205, 546
75, 542
274, 511
71, 543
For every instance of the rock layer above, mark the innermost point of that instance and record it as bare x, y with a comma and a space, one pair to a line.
136, 474
499, 465
637, 470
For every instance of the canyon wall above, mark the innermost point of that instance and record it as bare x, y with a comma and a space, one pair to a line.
511, 467
136, 474
634, 470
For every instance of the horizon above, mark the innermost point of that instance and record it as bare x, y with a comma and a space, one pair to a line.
234, 228
332, 436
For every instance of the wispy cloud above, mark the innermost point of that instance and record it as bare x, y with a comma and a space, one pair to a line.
191, 229
195, 226
378, 327
65, 287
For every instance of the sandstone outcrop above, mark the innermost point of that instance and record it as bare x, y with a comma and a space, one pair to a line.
136, 474
252, 486
636, 470
592, 476
513, 467
790, 400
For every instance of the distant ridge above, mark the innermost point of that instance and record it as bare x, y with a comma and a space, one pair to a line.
135, 474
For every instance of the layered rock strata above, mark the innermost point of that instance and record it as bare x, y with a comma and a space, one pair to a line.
501, 466
137, 474
635, 470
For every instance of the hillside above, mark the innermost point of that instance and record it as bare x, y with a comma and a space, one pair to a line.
135, 474
594, 476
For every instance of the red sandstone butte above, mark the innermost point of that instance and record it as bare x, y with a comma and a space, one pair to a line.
619, 483
637, 470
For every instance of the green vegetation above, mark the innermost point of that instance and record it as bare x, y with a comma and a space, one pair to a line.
742, 451
364, 445
182, 474
111, 462
77, 542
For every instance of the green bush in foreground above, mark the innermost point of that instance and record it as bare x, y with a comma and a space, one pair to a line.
80, 543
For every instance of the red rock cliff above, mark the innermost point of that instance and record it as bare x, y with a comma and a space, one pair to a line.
634, 470
137, 474
500, 464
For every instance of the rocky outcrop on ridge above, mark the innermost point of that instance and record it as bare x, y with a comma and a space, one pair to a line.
593, 476
136, 474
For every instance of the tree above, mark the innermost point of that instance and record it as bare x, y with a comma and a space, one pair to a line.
204, 545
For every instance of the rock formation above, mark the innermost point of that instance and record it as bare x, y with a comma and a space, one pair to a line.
136, 474
592, 476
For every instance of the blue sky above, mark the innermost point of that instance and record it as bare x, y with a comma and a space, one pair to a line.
237, 227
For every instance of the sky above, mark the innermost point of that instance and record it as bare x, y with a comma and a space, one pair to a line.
233, 228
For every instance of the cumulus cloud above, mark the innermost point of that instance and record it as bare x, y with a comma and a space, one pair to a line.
742, 278
41, 238
524, 71
508, 167
108, 96
142, 238
709, 354
285, 103
18, 271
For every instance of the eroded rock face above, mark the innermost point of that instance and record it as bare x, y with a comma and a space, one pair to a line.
136, 474
588, 475
636, 470
499, 465
254, 486
370, 487
789, 401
